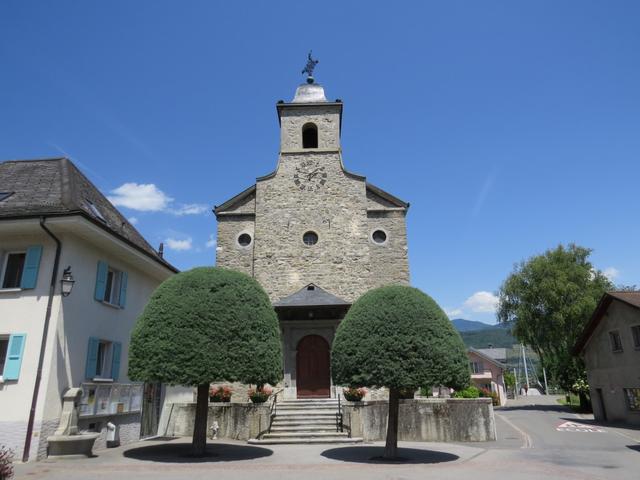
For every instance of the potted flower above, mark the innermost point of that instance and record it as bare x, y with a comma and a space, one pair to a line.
259, 394
220, 394
353, 394
6, 463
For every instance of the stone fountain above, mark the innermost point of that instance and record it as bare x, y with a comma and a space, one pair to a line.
67, 442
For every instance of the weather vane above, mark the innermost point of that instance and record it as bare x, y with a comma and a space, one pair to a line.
308, 69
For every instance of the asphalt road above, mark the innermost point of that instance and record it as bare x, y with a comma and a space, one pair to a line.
529, 447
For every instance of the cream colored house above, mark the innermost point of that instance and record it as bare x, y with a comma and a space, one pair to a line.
53, 223
610, 345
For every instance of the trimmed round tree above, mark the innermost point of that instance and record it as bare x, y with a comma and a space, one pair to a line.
204, 325
398, 337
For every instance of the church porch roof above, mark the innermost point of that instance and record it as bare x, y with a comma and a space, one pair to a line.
311, 296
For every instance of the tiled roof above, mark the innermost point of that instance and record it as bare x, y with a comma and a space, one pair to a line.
632, 298
56, 187
311, 296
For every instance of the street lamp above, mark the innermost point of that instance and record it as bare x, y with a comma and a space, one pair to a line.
67, 282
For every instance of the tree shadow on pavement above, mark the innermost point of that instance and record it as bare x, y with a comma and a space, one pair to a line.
374, 455
181, 453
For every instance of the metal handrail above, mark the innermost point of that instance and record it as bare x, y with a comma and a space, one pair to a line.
339, 426
274, 408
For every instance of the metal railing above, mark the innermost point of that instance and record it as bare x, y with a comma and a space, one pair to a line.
274, 407
339, 424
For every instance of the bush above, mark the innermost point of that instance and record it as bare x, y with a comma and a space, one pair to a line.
6, 462
406, 393
354, 394
469, 392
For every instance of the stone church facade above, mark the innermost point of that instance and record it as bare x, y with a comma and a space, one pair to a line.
315, 236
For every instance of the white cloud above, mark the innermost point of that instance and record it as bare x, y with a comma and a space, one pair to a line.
189, 209
179, 245
481, 302
147, 197
212, 242
611, 273
133, 220
144, 197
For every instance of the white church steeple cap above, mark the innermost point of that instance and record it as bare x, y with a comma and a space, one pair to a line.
309, 93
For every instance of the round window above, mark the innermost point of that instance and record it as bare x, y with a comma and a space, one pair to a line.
244, 240
310, 238
379, 236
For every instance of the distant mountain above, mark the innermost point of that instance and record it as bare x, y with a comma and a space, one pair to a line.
497, 337
463, 325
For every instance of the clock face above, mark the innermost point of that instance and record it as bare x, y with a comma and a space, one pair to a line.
310, 176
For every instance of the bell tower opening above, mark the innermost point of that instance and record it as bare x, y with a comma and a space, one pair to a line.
309, 135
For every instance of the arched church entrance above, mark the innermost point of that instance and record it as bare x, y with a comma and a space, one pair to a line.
313, 375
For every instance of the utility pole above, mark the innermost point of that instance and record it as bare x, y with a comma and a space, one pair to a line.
515, 375
546, 388
524, 360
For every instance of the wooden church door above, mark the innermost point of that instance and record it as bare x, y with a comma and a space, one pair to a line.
312, 368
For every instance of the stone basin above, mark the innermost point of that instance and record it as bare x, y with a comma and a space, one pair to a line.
71, 446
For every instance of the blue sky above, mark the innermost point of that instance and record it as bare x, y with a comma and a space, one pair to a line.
509, 126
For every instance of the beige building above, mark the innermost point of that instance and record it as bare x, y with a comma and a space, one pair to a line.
54, 223
315, 236
610, 345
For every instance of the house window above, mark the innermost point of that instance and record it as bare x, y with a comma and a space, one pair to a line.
616, 342
476, 367
112, 288
309, 136
633, 398
103, 364
13, 268
4, 345
635, 330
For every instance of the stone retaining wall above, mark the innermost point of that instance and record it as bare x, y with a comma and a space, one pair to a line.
237, 421
424, 420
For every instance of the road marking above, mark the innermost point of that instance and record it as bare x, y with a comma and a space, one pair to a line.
526, 439
577, 427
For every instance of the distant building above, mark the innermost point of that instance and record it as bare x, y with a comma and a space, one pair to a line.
487, 372
610, 344
52, 217
499, 354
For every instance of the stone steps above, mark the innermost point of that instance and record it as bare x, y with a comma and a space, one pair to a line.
305, 421
303, 441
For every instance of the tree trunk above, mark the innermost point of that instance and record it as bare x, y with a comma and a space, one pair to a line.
199, 442
391, 447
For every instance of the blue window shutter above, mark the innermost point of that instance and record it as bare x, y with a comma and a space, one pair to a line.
92, 358
31, 266
115, 362
14, 356
123, 289
101, 280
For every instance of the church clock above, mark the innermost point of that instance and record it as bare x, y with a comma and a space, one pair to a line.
310, 176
